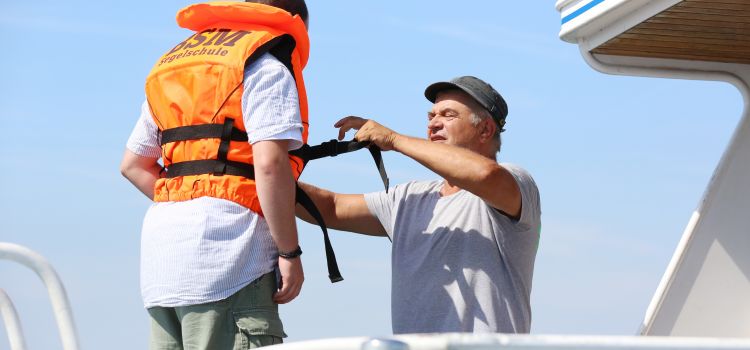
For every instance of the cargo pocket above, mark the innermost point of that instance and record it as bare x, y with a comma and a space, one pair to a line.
258, 327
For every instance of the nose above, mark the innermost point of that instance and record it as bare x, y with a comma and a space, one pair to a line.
434, 124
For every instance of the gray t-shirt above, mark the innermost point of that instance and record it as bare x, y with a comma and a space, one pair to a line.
458, 264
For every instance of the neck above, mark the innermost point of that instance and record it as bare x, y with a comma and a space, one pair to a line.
485, 150
448, 189
489, 153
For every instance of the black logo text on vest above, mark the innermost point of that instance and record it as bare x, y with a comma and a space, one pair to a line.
206, 43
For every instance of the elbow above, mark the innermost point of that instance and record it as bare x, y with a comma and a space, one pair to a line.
324, 202
125, 170
268, 167
128, 164
271, 164
489, 172
495, 176
271, 158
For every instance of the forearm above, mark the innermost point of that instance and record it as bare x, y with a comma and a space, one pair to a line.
468, 170
275, 187
142, 172
460, 167
324, 201
343, 212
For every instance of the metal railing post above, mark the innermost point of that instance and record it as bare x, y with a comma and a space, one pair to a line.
12, 323
55, 289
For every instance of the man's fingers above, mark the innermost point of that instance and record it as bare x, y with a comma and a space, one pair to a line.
282, 295
288, 298
342, 132
293, 293
287, 294
348, 123
349, 119
338, 123
292, 278
343, 126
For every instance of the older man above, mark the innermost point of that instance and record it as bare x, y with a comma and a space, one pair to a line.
463, 246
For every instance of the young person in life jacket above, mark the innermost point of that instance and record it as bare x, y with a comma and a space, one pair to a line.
464, 245
223, 109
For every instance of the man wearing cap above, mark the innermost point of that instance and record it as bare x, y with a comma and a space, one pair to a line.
463, 246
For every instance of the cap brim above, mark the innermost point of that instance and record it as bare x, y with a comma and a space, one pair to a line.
432, 91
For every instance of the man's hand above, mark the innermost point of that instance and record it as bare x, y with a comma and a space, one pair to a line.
368, 130
292, 278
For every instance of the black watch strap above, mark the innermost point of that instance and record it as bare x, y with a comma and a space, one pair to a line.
291, 255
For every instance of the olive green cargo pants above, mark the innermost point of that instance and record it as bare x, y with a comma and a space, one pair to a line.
246, 320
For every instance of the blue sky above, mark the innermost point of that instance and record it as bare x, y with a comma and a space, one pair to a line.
621, 162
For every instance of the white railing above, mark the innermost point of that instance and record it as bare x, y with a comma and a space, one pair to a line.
55, 289
460, 341
12, 324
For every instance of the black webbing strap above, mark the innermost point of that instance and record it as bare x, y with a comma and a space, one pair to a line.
335, 147
328, 149
333, 267
197, 132
226, 138
208, 166
378, 158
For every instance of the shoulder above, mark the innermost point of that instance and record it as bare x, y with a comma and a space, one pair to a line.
530, 199
400, 192
522, 176
265, 64
417, 187
267, 76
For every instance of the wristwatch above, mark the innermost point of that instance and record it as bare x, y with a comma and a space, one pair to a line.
291, 255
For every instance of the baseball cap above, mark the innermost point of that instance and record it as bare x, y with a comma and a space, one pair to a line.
482, 92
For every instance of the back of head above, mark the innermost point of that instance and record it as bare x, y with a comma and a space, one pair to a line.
295, 7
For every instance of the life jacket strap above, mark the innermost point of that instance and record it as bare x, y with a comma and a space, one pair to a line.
197, 132
208, 166
306, 202
335, 147
377, 156
226, 138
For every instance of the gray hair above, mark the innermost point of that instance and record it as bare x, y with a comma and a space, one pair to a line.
480, 114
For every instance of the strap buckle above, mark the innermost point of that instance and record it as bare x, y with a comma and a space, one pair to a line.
226, 138
332, 146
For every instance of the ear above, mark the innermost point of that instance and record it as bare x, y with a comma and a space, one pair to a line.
487, 129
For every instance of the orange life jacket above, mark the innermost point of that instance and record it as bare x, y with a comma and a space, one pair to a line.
195, 95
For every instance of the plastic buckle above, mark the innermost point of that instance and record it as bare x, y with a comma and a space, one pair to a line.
332, 146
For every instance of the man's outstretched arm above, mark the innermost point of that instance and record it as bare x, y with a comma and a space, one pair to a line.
344, 212
460, 167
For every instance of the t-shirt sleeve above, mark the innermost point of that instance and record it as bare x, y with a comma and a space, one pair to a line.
145, 140
381, 206
530, 203
270, 103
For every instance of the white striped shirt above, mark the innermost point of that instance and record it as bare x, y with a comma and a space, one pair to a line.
206, 249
